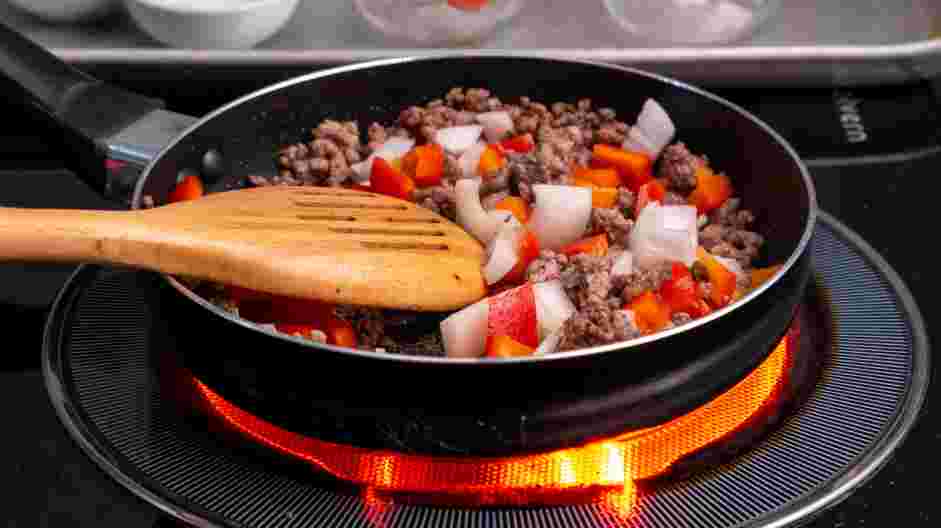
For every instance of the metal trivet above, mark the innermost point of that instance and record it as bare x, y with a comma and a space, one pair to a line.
104, 333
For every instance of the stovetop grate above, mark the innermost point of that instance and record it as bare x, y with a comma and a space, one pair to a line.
106, 332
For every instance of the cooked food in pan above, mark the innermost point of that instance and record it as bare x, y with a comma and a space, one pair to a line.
597, 230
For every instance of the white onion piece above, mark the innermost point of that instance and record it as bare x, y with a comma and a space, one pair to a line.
496, 125
470, 160
549, 344
553, 306
656, 125
392, 149
482, 224
623, 264
741, 278
561, 214
665, 233
503, 251
464, 333
457, 139
636, 141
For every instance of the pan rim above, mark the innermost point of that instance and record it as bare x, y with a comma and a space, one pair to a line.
786, 267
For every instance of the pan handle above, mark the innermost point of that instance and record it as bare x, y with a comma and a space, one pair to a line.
84, 113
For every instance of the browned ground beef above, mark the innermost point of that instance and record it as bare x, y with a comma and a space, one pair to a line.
564, 134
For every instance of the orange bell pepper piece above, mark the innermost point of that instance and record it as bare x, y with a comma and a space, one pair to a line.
760, 275
634, 168
721, 279
515, 206
386, 179
601, 197
521, 144
340, 332
711, 191
424, 164
491, 160
595, 245
652, 191
502, 346
681, 293
600, 177
650, 313
189, 188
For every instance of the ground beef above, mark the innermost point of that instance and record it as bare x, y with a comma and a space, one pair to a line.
439, 199
557, 150
594, 327
678, 168
263, 181
424, 122
525, 170
472, 99
452, 169
529, 116
681, 318
587, 281
612, 222
326, 160
367, 322
498, 181
672, 198
729, 214
547, 266
640, 280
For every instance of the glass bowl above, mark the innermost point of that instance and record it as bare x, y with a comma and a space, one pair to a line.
438, 22
691, 21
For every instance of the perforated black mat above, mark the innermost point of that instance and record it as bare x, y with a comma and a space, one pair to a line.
106, 334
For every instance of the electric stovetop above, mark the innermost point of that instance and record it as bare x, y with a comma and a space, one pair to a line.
874, 154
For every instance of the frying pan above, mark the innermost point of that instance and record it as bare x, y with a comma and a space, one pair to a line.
417, 403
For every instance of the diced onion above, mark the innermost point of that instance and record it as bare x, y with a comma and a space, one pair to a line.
482, 224
503, 251
464, 333
655, 125
553, 306
457, 139
623, 264
470, 160
636, 141
665, 233
549, 344
393, 148
561, 214
496, 125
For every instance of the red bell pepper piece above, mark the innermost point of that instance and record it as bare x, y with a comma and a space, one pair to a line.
340, 332
502, 346
513, 313
634, 168
286, 310
468, 5
652, 191
303, 330
711, 191
522, 144
650, 313
189, 188
386, 179
424, 164
681, 293
594, 245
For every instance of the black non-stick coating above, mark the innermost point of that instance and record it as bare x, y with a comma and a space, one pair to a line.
486, 407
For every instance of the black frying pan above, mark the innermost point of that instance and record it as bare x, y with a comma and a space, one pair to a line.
433, 404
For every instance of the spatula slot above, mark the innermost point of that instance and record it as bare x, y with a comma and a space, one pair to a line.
391, 232
405, 246
329, 218
350, 205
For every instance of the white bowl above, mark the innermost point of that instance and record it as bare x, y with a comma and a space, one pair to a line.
211, 24
67, 10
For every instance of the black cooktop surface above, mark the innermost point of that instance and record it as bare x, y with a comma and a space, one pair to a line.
874, 154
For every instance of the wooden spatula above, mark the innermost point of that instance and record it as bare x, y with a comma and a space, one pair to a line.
337, 245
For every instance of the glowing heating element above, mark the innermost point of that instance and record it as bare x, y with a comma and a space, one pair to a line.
606, 468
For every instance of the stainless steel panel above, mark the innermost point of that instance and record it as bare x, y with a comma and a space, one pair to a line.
806, 41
